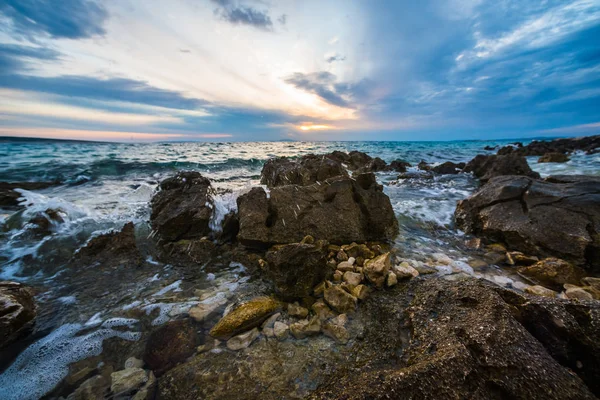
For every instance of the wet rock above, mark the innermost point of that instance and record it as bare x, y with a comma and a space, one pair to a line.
567, 145
352, 278
448, 168
281, 330
376, 270
243, 340
17, 311
340, 210
553, 273
358, 161
578, 293
540, 291
518, 258
269, 322
303, 171
148, 390
340, 300
391, 280
335, 328
205, 311
295, 269
558, 217
406, 271
127, 380
169, 345
95, 388
46, 221
553, 158
295, 310
399, 166
486, 167
9, 197
306, 327
183, 207
246, 316
490, 148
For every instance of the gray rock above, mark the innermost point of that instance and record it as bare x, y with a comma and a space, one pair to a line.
17, 311
128, 380
243, 340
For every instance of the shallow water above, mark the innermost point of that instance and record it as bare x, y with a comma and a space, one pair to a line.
105, 185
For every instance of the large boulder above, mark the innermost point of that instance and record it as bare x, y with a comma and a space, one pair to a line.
297, 268
183, 207
358, 161
303, 171
17, 311
553, 158
486, 167
9, 196
340, 210
589, 144
557, 217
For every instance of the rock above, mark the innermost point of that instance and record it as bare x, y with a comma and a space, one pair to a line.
486, 167
399, 166
490, 148
243, 340
94, 388
183, 207
9, 196
133, 362
306, 170
358, 251
518, 258
448, 168
392, 279
208, 309
424, 166
320, 288
322, 310
351, 261
281, 330
295, 310
540, 291
335, 328
269, 322
148, 390
340, 210
567, 145
246, 316
592, 282
268, 332
340, 300
376, 270
345, 266
17, 311
169, 345
558, 217
305, 328
352, 278
127, 380
296, 268
337, 276
578, 293
342, 256
553, 273
553, 158
406, 271
358, 161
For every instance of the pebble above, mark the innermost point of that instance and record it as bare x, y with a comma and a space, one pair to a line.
351, 260
305, 328
376, 270
281, 330
405, 270
360, 292
335, 328
392, 280
295, 310
345, 266
128, 380
133, 362
540, 291
243, 340
337, 276
352, 278
322, 310
578, 293
340, 300
270, 321
341, 256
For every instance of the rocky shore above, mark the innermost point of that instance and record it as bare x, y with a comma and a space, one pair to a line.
331, 308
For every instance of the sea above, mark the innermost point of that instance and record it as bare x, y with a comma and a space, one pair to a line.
102, 186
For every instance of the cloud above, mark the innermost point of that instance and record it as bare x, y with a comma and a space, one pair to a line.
238, 14
16, 57
72, 19
282, 19
323, 84
112, 89
333, 58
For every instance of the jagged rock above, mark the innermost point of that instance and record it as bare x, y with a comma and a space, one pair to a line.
558, 217
518, 258
540, 291
448, 168
127, 380
340, 210
9, 197
17, 311
147, 391
553, 273
358, 161
246, 316
398, 166
297, 268
169, 345
322, 310
578, 293
183, 207
376, 270
358, 251
94, 388
340, 300
391, 280
303, 171
486, 167
352, 278
306, 327
296, 310
360, 292
335, 328
405, 270
566, 145
281, 330
243, 340
553, 158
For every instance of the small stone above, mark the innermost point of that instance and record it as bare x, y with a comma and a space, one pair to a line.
360, 261
441, 258
360, 292
352, 278
496, 248
335, 328
340, 300
392, 279
262, 264
205, 311
578, 293
268, 332
295, 310
553, 273
494, 258
243, 340
133, 362
477, 263
91, 389
518, 258
147, 391
376, 270
320, 288
473, 243
341, 256
332, 263
128, 380
322, 310
540, 291
337, 276
423, 269
405, 271
351, 260
345, 266
358, 250
281, 330
270, 321
347, 287
245, 316
305, 328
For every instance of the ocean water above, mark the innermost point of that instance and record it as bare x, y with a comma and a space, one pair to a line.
105, 185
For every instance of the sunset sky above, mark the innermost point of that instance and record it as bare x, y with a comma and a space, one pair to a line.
224, 70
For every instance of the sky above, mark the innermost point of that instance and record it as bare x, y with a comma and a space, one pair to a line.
246, 70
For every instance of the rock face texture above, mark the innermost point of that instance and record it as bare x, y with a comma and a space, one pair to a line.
589, 144
17, 311
9, 197
297, 268
170, 344
487, 167
341, 210
248, 315
183, 207
554, 158
303, 171
557, 217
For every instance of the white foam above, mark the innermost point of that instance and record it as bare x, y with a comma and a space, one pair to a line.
41, 366
167, 310
223, 204
172, 287
68, 299
94, 320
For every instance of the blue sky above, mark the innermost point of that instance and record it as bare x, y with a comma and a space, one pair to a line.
308, 70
